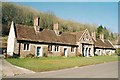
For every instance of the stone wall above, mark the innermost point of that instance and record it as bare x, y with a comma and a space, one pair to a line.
44, 50
24, 53
99, 51
61, 51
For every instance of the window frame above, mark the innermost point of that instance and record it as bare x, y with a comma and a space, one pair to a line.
50, 48
72, 49
56, 48
26, 47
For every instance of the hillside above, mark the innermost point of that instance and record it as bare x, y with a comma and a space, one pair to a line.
24, 15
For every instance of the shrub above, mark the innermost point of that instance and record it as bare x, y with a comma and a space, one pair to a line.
30, 55
79, 54
62, 54
15, 55
45, 55
117, 51
8, 56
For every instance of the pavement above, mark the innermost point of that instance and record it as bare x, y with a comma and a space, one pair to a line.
105, 70
7, 69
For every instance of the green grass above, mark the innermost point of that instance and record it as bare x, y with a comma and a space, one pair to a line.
55, 63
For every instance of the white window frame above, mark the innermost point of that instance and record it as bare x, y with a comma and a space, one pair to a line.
73, 49
26, 46
51, 47
56, 48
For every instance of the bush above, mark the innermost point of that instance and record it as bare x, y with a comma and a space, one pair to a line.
62, 54
45, 55
15, 55
79, 54
8, 56
117, 51
30, 55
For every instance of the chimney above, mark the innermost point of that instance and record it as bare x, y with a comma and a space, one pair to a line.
56, 28
94, 35
102, 37
36, 24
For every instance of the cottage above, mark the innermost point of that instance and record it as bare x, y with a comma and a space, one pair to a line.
102, 46
116, 43
24, 40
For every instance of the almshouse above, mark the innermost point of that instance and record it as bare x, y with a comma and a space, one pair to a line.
24, 40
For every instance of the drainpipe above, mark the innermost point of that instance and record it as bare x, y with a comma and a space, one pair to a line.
76, 50
19, 49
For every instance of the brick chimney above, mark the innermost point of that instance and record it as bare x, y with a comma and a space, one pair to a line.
102, 37
94, 35
56, 28
36, 24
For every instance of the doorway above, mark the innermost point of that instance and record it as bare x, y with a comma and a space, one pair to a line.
65, 52
86, 52
89, 52
38, 51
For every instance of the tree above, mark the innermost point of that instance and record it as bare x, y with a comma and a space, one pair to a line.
112, 36
99, 30
24, 15
103, 30
106, 33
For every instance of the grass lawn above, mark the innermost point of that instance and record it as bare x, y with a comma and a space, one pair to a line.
54, 63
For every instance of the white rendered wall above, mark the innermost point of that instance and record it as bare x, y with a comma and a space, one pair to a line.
11, 40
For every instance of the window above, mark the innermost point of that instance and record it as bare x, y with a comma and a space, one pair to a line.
72, 49
56, 48
87, 36
49, 47
83, 39
26, 47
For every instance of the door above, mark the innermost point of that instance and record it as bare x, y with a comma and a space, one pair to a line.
65, 52
38, 51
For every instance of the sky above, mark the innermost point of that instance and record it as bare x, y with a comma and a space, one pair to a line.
99, 13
